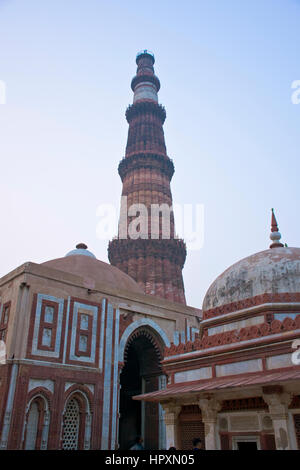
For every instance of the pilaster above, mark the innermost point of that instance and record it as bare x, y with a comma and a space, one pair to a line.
209, 408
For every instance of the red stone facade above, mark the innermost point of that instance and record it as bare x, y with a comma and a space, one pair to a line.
154, 261
65, 350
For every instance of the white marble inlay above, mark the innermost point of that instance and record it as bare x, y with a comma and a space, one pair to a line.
45, 383
46, 339
282, 360
83, 340
49, 314
84, 322
194, 374
68, 385
242, 367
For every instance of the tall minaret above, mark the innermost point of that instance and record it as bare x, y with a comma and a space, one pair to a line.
155, 258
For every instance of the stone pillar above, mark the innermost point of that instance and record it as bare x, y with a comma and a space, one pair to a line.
162, 383
278, 403
171, 413
209, 409
45, 430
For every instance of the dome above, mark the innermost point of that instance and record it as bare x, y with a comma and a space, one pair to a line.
273, 271
83, 263
81, 249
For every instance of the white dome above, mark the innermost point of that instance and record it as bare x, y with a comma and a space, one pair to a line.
81, 249
273, 271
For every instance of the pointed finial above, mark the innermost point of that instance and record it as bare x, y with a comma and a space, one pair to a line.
275, 234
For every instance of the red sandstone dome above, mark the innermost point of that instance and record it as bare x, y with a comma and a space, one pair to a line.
83, 263
274, 271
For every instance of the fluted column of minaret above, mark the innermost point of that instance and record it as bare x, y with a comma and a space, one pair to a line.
155, 261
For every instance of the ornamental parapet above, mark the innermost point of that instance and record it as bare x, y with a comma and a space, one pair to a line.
120, 250
235, 336
136, 187
251, 302
145, 106
146, 160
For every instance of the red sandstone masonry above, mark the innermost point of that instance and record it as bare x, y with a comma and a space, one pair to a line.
251, 302
146, 172
235, 336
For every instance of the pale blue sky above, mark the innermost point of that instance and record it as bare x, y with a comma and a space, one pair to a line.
226, 69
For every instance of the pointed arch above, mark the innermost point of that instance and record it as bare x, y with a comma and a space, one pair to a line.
142, 322
141, 351
37, 419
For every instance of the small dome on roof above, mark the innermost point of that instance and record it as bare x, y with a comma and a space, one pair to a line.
81, 249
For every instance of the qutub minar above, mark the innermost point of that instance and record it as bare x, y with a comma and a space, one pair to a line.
93, 354
146, 171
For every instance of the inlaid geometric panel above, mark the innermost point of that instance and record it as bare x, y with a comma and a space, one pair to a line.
46, 337
84, 322
83, 336
71, 426
49, 314
83, 342
48, 325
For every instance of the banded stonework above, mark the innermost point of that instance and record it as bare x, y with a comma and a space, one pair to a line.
155, 263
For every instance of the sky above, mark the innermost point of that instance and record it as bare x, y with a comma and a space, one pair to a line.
226, 69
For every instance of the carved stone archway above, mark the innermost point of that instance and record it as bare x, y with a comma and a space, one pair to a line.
141, 373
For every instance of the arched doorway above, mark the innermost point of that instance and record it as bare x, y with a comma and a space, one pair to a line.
141, 374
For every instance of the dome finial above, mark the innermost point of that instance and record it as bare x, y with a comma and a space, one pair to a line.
275, 234
81, 249
81, 246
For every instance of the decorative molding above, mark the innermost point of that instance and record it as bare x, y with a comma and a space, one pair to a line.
146, 160
251, 302
142, 322
38, 383
234, 336
145, 106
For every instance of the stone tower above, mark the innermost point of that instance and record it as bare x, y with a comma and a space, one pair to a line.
153, 257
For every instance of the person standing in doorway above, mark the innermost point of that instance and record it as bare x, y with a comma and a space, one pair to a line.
138, 444
197, 444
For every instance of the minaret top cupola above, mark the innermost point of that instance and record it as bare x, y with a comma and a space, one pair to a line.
145, 84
